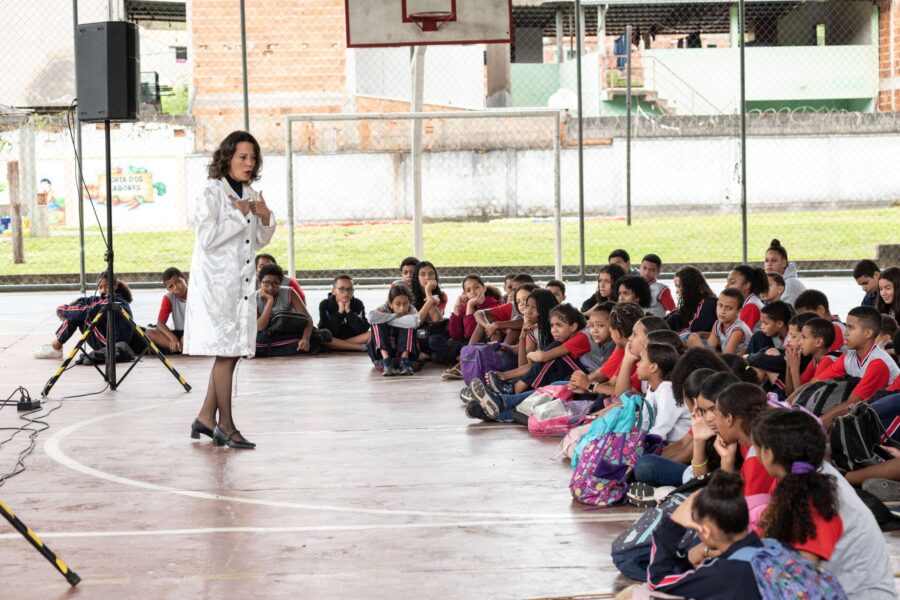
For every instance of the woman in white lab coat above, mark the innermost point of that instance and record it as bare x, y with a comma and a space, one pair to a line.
233, 223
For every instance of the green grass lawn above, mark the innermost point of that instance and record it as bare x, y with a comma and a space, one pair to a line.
835, 235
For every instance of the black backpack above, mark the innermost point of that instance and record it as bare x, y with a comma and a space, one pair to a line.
820, 397
855, 439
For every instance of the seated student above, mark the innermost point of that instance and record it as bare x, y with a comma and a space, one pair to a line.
476, 296
661, 302
289, 335
392, 345
558, 288
769, 372
708, 450
606, 291
344, 316
173, 303
753, 283
668, 469
860, 559
863, 359
729, 333
815, 337
267, 259
719, 515
553, 362
636, 342
622, 320
776, 260
888, 302
816, 302
431, 302
504, 322
737, 408
696, 310
866, 273
803, 511
655, 367
79, 313
634, 288
507, 287
407, 271
773, 327
667, 336
602, 344
776, 288
622, 259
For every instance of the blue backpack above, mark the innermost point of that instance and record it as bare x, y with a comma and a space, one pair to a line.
784, 573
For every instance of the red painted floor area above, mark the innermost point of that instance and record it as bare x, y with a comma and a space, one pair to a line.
360, 487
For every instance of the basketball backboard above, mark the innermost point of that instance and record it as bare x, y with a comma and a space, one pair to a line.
374, 23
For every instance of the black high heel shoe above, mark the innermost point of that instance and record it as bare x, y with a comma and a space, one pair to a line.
221, 439
197, 427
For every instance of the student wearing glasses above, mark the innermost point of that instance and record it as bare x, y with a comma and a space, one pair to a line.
283, 325
345, 317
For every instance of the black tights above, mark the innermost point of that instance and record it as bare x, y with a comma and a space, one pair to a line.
218, 395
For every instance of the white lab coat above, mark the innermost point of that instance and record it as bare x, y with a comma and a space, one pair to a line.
220, 316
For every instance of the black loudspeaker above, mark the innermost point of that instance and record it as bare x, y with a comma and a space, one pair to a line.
108, 64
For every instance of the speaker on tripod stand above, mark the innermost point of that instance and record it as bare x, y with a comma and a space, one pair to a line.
107, 61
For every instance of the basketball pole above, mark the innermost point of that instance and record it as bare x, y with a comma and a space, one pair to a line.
418, 92
579, 43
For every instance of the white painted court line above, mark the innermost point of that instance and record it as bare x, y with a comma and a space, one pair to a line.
608, 518
53, 450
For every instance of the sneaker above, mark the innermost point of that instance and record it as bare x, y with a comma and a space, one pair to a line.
48, 351
324, 335
405, 368
641, 494
389, 370
885, 490
466, 395
497, 385
474, 411
489, 401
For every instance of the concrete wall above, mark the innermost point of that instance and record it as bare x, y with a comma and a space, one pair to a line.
773, 73
669, 175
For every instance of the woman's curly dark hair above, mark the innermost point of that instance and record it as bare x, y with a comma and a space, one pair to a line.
639, 286
795, 436
221, 158
694, 290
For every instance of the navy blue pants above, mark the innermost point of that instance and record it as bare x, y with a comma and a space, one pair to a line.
394, 340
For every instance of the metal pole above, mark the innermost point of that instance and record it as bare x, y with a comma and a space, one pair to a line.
79, 176
628, 124
557, 203
560, 28
289, 193
112, 308
244, 68
741, 42
579, 51
418, 90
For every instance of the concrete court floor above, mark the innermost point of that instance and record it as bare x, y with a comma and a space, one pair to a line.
360, 487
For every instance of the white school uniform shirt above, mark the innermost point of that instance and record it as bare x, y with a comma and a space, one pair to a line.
723, 334
856, 365
672, 421
220, 315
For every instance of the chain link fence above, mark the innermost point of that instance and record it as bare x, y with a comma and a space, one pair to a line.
661, 128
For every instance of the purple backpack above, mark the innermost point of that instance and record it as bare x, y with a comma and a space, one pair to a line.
599, 476
478, 359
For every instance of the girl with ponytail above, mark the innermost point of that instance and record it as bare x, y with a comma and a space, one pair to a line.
803, 511
753, 283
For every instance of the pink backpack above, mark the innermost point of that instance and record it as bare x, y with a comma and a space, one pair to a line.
559, 426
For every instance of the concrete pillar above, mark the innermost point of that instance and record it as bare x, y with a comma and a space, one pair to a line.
499, 93
734, 25
560, 48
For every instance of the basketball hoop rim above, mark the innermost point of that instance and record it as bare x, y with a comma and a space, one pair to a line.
432, 20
